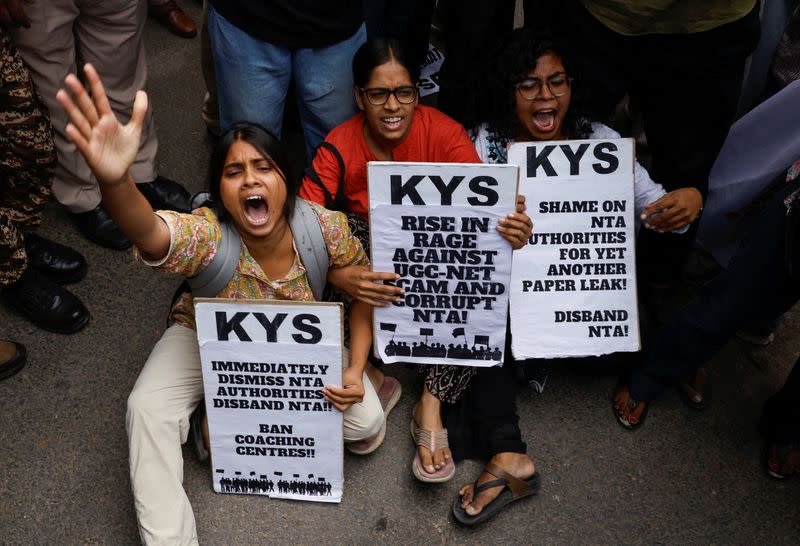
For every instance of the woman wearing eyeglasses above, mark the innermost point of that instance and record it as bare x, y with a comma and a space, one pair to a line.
393, 126
528, 97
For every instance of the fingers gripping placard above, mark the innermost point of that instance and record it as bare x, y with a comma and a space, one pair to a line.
435, 226
264, 367
573, 286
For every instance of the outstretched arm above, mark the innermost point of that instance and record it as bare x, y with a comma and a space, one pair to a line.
110, 149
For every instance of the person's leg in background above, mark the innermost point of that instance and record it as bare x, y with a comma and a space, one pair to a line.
780, 427
210, 107
470, 27
168, 389
323, 80
754, 286
109, 35
688, 87
252, 76
409, 21
49, 49
27, 160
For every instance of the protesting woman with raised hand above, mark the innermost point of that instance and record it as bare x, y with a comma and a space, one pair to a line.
254, 191
393, 126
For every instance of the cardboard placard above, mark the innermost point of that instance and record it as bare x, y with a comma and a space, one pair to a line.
265, 364
573, 286
435, 226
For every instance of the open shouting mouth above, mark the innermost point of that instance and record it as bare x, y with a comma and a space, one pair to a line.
256, 209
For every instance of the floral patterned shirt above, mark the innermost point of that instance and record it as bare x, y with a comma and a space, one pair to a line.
195, 237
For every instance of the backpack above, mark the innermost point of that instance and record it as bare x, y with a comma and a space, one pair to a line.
308, 240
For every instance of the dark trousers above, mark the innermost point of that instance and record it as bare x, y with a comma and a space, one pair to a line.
754, 287
484, 422
470, 28
406, 20
780, 421
687, 87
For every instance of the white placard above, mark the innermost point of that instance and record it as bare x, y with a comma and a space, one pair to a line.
265, 364
573, 287
435, 225
429, 71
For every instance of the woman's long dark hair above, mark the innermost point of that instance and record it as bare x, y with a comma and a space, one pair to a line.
272, 150
377, 51
492, 95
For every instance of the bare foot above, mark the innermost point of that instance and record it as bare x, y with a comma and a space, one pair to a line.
622, 405
694, 388
518, 465
427, 415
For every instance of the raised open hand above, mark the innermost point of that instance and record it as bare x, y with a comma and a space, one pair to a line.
109, 147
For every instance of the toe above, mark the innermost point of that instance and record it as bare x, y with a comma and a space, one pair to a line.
426, 459
438, 459
466, 495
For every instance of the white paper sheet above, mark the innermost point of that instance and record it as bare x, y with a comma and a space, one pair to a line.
454, 265
264, 367
573, 287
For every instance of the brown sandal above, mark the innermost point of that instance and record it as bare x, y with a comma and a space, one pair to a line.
515, 489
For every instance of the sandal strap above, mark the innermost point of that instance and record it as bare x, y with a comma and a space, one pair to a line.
431, 439
488, 485
514, 484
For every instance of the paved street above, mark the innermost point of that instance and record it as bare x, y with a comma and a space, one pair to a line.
684, 478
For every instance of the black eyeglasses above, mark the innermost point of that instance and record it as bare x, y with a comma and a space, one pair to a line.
378, 96
530, 88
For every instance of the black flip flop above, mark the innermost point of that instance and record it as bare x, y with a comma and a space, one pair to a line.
515, 489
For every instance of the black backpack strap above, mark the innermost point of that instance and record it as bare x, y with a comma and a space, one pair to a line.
332, 202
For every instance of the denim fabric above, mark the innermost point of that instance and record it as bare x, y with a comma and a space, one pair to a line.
253, 79
754, 287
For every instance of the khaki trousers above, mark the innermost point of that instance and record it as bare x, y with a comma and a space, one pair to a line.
108, 34
168, 389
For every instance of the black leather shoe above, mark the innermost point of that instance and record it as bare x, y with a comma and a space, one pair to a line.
166, 194
13, 358
46, 304
58, 262
97, 226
